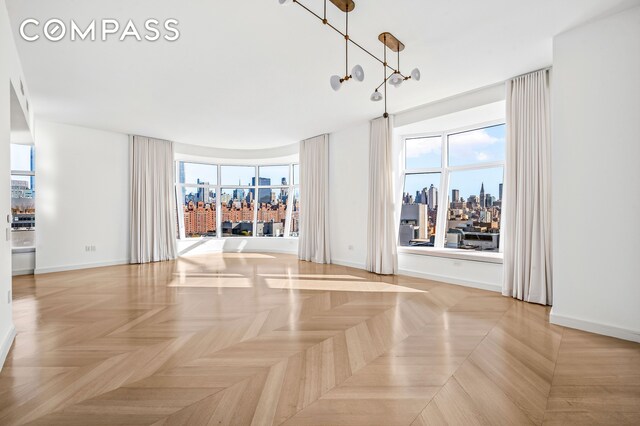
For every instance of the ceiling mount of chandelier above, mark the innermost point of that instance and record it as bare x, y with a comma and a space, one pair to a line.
390, 42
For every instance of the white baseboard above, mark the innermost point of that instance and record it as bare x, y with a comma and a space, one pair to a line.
349, 264
432, 277
81, 266
264, 250
451, 280
6, 344
594, 327
22, 272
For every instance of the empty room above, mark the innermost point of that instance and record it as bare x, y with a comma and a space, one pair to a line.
319, 212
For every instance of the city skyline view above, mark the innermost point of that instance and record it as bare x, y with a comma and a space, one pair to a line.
237, 204
478, 146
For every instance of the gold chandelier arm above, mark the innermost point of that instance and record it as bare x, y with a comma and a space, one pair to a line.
349, 39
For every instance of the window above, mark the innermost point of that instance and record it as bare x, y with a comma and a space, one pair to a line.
453, 189
237, 201
197, 196
23, 196
419, 213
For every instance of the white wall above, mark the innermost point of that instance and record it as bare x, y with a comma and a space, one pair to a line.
596, 177
82, 197
10, 74
196, 246
349, 195
23, 262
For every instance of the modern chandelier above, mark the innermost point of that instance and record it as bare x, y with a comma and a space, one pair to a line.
390, 42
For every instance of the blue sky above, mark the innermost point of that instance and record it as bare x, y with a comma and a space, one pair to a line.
232, 175
473, 147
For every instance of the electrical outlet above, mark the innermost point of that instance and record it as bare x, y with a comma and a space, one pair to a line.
93, 248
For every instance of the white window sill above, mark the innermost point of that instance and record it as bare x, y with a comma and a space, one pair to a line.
238, 238
475, 256
23, 250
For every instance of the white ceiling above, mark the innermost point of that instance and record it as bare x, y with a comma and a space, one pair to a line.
253, 74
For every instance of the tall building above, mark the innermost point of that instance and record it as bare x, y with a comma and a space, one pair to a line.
264, 195
483, 201
432, 197
500, 192
181, 171
455, 195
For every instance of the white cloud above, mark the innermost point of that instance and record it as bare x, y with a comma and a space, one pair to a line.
419, 147
477, 138
482, 156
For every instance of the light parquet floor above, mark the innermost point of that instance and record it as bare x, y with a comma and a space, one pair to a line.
257, 339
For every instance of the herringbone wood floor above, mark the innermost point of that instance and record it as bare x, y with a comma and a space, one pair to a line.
264, 339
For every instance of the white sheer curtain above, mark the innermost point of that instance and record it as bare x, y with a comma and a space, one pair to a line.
527, 227
153, 200
382, 256
313, 244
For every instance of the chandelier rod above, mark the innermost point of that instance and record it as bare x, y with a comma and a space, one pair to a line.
346, 44
349, 39
386, 114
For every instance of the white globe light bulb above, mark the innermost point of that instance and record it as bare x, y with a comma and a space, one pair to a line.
358, 73
396, 79
335, 82
376, 96
415, 74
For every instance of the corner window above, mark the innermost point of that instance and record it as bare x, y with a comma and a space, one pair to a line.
237, 200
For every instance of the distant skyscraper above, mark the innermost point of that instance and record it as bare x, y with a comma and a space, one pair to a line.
455, 195
432, 197
500, 192
238, 194
483, 201
181, 172
488, 200
202, 192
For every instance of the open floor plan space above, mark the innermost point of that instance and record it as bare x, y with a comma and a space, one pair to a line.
242, 338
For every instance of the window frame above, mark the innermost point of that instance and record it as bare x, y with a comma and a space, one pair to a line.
30, 174
218, 187
445, 179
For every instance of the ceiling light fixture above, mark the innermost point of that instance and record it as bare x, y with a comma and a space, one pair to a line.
396, 78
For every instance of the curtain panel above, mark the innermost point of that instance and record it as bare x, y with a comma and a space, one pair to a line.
382, 255
153, 219
527, 211
313, 243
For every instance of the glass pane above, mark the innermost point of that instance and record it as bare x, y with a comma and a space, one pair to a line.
273, 175
23, 196
199, 207
237, 212
197, 173
419, 209
22, 157
238, 175
475, 207
477, 146
272, 212
296, 174
295, 214
422, 153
